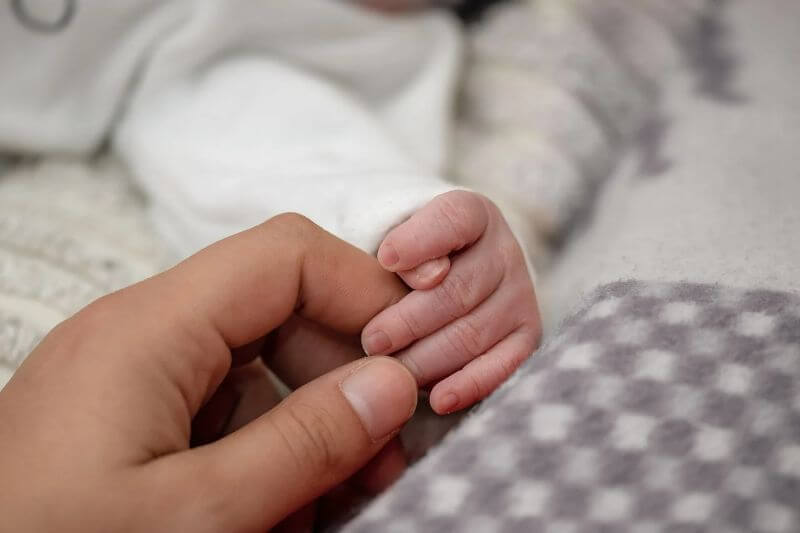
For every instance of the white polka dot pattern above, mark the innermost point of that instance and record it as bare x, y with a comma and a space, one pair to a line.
659, 407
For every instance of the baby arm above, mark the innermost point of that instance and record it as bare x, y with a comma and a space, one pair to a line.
472, 317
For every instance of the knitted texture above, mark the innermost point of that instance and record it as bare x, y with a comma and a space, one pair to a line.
69, 233
658, 407
555, 92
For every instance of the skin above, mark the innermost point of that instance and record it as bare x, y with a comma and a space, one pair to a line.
116, 396
97, 422
472, 317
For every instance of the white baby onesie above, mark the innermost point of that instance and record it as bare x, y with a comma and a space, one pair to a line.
230, 111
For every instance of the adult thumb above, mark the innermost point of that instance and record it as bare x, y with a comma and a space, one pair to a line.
319, 436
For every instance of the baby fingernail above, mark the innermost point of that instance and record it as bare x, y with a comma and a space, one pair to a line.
431, 269
382, 394
448, 404
376, 343
387, 255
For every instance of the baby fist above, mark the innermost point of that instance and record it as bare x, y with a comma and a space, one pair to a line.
472, 318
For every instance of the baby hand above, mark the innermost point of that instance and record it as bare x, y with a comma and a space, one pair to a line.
472, 318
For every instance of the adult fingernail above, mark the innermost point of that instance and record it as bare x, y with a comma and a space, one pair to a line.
387, 255
431, 269
376, 343
383, 394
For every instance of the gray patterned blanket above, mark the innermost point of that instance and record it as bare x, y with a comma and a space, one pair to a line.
657, 407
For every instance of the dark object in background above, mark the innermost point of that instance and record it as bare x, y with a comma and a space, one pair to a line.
472, 10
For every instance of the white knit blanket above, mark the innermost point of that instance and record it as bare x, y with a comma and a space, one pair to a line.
70, 232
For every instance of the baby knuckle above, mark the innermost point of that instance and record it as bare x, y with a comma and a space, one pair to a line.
477, 387
471, 201
467, 337
455, 293
524, 305
496, 271
510, 253
453, 215
507, 366
498, 368
411, 324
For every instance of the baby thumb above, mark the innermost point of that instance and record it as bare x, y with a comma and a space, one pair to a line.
316, 438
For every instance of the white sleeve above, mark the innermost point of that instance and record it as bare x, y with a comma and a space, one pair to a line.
66, 66
255, 108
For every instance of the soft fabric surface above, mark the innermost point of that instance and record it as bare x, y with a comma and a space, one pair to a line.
70, 232
556, 91
723, 207
529, 134
667, 403
658, 407
228, 112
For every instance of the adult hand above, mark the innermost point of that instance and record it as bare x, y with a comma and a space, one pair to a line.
96, 424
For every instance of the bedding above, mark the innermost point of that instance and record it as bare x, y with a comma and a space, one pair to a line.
656, 407
669, 398
667, 394
70, 232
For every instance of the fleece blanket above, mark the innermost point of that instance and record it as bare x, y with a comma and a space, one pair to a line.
713, 196
669, 401
657, 407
